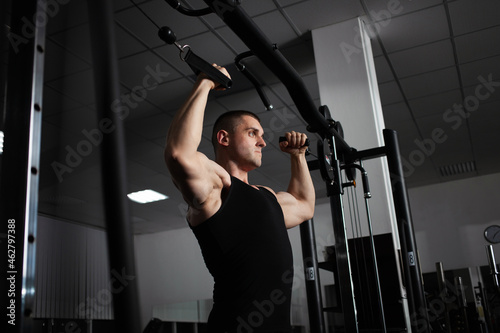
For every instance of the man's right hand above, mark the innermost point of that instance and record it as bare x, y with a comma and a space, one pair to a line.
215, 85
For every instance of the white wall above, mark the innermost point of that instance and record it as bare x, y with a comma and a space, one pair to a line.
170, 269
72, 276
449, 221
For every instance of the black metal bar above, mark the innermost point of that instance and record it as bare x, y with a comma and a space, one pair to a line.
243, 26
313, 285
411, 265
243, 69
21, 115
187, 11
365, 154
120, 241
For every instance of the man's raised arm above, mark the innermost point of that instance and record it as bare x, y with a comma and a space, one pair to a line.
184, 134
192, 172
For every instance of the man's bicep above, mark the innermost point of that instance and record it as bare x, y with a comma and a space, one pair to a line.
293, 209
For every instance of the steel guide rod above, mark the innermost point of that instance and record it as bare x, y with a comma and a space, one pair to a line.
344, 272
375, 266
113, 161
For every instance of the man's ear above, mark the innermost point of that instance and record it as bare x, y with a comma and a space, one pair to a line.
223, 138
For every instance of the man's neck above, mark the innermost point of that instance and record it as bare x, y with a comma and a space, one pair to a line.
234, 170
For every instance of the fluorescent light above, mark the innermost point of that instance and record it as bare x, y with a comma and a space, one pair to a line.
146, 196
1, 142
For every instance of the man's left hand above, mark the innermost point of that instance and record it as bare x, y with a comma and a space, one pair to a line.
294, 144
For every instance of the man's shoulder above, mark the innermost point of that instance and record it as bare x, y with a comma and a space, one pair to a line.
267, 188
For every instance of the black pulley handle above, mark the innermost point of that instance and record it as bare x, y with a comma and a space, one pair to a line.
306, 144
196, 63
282, 138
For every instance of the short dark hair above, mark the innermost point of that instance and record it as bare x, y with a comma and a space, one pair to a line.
228, 122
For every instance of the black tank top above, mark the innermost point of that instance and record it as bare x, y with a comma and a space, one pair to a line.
246, 248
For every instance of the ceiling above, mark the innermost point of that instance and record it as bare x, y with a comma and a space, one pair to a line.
430, 59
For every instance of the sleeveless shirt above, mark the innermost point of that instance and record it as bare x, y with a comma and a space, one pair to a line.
246, 249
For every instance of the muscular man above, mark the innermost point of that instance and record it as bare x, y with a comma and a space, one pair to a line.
241, 228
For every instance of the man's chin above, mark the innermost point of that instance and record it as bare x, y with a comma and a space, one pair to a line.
255, 165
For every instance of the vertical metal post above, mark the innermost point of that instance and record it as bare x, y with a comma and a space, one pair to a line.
120, 241
20, 160
411, 265
463, 322
443, 293
493, 267
313, 291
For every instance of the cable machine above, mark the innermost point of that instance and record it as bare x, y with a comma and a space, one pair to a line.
335, 155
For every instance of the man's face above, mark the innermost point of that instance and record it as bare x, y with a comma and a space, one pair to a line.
247, 143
